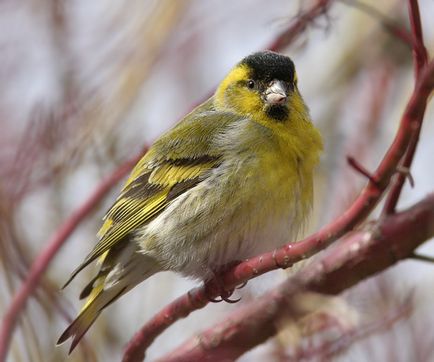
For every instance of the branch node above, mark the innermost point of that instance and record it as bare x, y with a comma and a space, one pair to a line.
363, 171
278, 265
407, 173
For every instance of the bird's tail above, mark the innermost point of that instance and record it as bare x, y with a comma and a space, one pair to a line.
103, 290
97, 301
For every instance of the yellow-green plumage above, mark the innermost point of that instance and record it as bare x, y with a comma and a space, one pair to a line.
231, 180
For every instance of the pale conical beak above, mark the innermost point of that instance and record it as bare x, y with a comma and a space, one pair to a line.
276, 93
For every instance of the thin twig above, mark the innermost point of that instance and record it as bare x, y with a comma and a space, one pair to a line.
420, 57
361, 169
300, 23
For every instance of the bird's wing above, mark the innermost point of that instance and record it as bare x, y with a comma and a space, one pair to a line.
176, 162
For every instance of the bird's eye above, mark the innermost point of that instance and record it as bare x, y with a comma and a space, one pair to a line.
250, 84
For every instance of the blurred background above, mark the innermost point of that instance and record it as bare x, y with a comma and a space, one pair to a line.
84, 85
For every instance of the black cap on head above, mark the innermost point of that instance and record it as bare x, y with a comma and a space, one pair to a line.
269, 65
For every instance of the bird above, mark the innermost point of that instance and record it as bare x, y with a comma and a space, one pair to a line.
231, 180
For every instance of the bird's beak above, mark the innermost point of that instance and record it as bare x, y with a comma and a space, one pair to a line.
275, 94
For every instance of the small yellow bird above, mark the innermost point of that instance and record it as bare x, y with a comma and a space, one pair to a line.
231, 180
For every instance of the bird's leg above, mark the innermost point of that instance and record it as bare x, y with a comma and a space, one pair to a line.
215, 284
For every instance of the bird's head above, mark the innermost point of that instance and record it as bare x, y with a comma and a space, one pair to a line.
262, 86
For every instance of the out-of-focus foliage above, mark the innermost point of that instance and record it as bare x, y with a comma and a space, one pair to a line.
85, 84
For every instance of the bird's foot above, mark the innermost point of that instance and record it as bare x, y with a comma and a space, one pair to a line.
215, 285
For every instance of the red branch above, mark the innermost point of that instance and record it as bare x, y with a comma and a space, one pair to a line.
42, 261
420, 57
355, 258
292, 252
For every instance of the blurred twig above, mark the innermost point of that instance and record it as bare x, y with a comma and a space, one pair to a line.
332, 348
55, 139
389, 24
41, 263
303, 19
